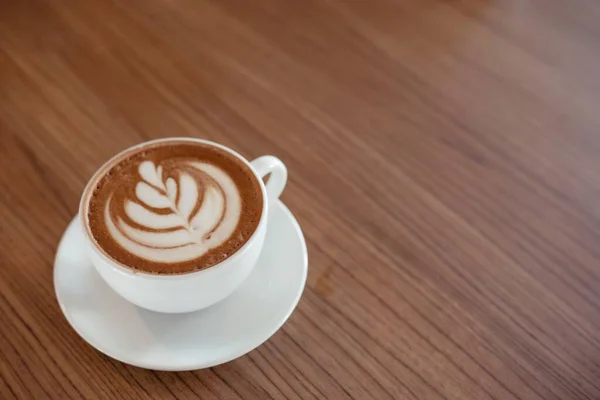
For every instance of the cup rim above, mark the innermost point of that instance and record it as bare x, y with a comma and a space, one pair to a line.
130, 272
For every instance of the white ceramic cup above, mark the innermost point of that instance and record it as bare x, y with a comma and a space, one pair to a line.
194, 290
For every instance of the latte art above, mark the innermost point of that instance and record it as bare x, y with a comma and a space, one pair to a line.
179, 218
173, 208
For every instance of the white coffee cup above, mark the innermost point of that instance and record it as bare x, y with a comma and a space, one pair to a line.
195, 290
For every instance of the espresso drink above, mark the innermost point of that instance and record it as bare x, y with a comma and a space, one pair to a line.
173, 207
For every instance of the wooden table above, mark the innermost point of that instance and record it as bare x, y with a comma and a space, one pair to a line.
444, 162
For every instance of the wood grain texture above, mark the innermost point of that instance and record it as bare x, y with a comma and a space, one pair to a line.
444, 160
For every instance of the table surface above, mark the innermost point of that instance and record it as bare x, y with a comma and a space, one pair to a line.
444, 162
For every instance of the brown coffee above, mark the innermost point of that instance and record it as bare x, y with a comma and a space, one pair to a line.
173, 207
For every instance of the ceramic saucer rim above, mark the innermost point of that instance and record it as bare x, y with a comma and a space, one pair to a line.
190, 366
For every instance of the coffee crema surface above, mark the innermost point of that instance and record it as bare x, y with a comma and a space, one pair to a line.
172, 208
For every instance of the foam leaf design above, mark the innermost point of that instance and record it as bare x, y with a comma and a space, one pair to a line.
177, 219
159, 171
172, 189
144, 217
155, 239
156, 194
206, 220
152, 197
149, 173
188, 196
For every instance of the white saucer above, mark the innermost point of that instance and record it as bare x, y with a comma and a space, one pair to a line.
180, 342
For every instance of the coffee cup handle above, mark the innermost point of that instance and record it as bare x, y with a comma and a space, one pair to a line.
266, 165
